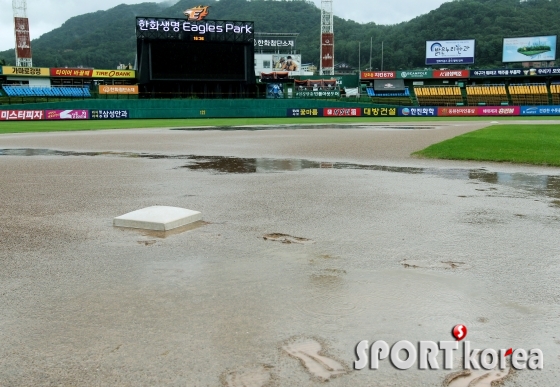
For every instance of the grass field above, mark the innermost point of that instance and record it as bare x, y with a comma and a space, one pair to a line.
530, 144
57, 126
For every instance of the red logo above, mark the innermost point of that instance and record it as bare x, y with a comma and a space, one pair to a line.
459, 332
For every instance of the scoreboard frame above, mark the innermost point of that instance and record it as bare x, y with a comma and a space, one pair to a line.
151, 30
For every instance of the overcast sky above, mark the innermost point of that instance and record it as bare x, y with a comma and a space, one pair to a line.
46, 15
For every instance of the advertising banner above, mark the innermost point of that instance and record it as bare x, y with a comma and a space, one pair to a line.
498, 73
499, 111
342, 112
109, 114
378, 75
418, 111
396, 85
23, 40
542, 71
110, 89
553, 110
315, 112
67, 114
451, 73
529, 49
274, 43
327, 50
415, 74
317, 94
113, 74
380, 112
286, 62
21, 115
26, 71
450, 51
457, 111
64, 72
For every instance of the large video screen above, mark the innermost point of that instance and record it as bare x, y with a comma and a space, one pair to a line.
450, 52
529, 49
194, 60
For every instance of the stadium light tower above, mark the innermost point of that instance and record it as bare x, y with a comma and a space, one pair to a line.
327, 38
21, 29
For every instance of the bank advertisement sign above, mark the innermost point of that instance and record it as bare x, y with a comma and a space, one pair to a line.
529, 49
553, 110
450, 52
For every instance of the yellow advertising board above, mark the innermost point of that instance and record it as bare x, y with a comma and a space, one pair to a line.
110, 89
26, 71
113, 74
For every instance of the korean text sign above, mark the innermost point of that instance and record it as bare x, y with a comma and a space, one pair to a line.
450, 51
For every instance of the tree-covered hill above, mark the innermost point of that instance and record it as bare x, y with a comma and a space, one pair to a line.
104, 39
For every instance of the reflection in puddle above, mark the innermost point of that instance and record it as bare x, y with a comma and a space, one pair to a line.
538, 184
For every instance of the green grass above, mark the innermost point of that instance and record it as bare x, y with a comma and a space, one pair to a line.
530, 144
57, 126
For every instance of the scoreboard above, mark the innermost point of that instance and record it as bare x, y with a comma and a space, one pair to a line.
206, 50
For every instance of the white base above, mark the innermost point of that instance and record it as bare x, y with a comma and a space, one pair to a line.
158, 218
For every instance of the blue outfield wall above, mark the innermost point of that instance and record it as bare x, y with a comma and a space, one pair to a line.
192, 108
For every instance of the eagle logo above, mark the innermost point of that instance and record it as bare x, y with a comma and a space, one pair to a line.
197, 13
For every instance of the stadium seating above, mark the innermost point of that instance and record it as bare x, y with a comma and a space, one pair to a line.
555, 93
61, 92
402, 98
487, 94
438, 95
529, 94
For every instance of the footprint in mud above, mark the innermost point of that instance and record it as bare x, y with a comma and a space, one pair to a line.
285, 238
477, 378
309, 353
147, 243
418, 264
254, 376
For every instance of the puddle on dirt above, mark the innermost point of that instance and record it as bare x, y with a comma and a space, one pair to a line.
548, 185
299, 126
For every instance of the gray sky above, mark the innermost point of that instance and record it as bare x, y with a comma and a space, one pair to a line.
46, 15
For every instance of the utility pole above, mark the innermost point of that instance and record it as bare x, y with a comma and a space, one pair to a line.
381, 56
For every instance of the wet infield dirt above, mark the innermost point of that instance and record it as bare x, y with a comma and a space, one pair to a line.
313, 240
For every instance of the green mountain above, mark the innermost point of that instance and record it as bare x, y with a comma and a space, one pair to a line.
104, 39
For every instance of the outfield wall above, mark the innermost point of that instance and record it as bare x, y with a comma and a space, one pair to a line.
189, 108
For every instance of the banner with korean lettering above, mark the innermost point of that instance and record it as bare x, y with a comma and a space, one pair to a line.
26, 71
342, 112
552, 110
450, 52
415, 74
380, 112
113, 74
498, 73
67, 114
75, 73
451, 73
378, 75
457, 111
105, 114
426, 111
23, 40
327, 50
22, 115
299, 112
498, 110
318, 94
274, 43
111, 89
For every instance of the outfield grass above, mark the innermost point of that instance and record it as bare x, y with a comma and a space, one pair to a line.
57, 126
530, 144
